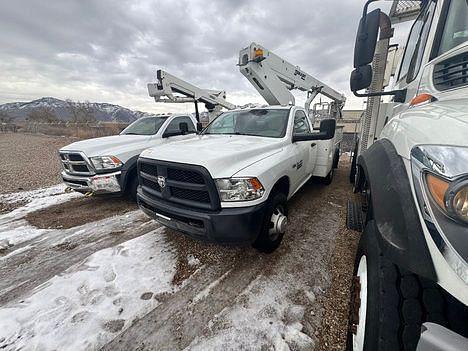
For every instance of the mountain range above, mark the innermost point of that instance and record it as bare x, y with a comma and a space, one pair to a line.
102, 111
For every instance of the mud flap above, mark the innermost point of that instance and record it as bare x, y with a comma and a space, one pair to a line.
354, 216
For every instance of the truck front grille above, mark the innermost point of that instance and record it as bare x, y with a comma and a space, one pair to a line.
183, 184
75, 163
452, 72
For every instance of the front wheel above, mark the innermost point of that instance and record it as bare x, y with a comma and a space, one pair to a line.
274, 224
388, 303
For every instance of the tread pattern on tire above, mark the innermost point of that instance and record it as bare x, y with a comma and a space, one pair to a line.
354, 216
406, 302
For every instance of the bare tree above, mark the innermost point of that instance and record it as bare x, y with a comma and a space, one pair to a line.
42, 114
5, 117
81, 111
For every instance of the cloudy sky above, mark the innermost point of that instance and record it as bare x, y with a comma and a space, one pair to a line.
107, 51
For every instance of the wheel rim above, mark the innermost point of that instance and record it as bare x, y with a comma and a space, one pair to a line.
361, 305
278, 223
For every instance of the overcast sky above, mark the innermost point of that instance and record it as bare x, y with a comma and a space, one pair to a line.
107, 51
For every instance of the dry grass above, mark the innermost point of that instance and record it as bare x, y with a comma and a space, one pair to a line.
79, 130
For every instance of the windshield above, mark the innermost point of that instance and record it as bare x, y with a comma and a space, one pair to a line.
270, 123
456, 26
144, 126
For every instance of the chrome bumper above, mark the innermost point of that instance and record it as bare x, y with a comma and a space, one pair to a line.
99, 183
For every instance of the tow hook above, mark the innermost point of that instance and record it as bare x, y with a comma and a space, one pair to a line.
355, 304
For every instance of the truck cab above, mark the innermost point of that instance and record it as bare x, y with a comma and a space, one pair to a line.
231, 183
410, 289
107, 165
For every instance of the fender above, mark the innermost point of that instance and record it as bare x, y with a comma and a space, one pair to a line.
396, 219
126, 170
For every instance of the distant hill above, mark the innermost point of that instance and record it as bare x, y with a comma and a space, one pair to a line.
102, 111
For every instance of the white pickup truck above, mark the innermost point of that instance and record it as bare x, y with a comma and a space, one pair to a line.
108, 164
231, 183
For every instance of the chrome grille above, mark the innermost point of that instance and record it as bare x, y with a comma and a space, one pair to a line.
75, 163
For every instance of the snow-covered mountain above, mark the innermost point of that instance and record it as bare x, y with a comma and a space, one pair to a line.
102, 111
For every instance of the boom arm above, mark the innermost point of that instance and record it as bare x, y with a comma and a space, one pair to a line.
274, 77
171, 89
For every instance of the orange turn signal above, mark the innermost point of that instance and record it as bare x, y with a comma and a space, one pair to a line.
255, 183
437, 187
421, 98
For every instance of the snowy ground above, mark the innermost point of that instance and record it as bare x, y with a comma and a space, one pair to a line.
110, 284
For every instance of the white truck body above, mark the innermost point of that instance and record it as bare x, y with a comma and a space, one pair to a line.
407, 145
80, 173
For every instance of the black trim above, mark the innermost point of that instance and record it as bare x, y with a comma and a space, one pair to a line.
439, 30
397, 224
162, 168
128, 167
240, 225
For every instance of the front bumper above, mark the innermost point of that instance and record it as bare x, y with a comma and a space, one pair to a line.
228, 226
108, 183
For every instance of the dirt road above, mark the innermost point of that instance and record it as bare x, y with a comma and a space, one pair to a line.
120, 281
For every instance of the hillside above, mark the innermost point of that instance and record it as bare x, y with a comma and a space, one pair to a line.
102, 111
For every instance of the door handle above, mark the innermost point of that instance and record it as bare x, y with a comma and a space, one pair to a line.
313, 144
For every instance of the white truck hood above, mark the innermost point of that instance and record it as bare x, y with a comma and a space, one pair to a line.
115, 145
222, 155
437, 123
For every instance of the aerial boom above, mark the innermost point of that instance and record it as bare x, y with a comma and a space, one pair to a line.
171, 89
274, 78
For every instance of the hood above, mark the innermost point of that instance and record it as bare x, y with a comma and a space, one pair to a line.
111, 145
437, 123
221, 155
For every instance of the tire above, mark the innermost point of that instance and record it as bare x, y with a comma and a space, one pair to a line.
397, 302
267, 242
329, 178
336, 157
132, 186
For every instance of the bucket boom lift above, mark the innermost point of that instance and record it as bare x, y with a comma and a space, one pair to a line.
274, 77
171, 89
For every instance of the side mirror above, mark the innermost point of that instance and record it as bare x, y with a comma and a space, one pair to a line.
361, 78
199, 127
327, 132
183, 127
366, 38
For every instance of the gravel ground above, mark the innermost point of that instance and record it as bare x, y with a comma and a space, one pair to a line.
311, 271
29, 161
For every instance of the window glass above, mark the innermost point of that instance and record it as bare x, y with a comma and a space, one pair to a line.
301, 123
258, 122
416, 43
145, 126
173, 126
456, 26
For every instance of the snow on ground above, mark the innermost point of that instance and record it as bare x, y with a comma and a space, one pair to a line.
261, 315
14, 230
36, 200
85, 306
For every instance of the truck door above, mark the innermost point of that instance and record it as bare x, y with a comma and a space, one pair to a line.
305, 150
412, 60
173, 130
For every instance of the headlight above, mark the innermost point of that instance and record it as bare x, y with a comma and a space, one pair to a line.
239, 189
452, 197
105, 162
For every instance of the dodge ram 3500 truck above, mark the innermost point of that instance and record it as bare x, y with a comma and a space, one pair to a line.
410, 290
108, 164
231, 183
